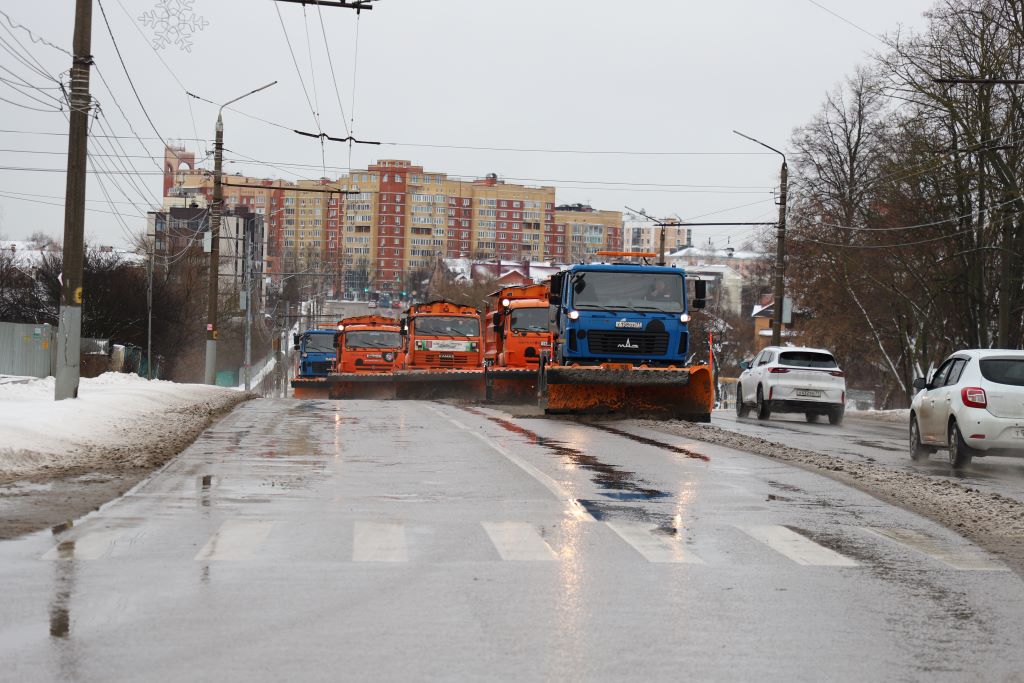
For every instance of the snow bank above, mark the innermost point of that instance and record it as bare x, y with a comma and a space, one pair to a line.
898, 416
118, 420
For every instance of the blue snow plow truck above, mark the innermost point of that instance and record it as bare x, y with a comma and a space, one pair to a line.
317, 352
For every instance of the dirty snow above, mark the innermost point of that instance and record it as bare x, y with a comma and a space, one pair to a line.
118, 421
899, 416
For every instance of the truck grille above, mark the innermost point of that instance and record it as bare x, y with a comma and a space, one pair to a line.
628, 343
442, 360
321, 367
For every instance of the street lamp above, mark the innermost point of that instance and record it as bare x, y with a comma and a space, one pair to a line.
215, 215
780, 243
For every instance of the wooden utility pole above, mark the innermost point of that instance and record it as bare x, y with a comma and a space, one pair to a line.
69, 329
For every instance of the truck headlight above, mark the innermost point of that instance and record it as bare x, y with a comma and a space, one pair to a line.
684, 318
574, 315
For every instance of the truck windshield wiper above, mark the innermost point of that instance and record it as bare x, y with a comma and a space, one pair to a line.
649, 308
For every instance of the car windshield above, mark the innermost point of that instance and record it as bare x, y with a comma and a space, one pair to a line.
1003, 370
320, 342
628, 291
444, 325
373, 339
530, 319
807, 359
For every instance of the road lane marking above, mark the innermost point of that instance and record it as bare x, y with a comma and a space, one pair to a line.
965, 559
235, 540
91, 546
574, 507
796, 547
379, 542
519, 542
653, 549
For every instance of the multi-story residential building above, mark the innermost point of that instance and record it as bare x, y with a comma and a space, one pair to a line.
179, 234
643, 235
581, 231
375, 227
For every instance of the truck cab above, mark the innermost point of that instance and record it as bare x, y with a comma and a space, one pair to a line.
441, 335
516, 330
621, 313
368, 343
317, 352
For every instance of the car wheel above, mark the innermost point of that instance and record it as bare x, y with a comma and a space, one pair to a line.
741, 409
959, 452
811, 417
917, 451
764, 410
835, 416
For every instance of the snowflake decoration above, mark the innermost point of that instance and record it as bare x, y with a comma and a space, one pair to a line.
173, 21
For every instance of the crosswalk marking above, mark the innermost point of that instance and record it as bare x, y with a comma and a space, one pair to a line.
235, 540
653, 549
796, 547
518, 542
966, 559
90, 546
379, 542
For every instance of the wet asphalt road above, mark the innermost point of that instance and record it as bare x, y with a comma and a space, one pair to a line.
366, 540
866, 440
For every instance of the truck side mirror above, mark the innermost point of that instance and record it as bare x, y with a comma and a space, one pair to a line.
498, 320
700, 294
555, 293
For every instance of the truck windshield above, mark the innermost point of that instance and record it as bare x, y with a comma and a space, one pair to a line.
530, 319
625, 290
448, 326
319, 343
372, 339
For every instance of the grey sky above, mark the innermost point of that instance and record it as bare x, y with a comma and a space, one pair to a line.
655, 76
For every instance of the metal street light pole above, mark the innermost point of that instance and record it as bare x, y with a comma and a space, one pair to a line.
780, 243
215, 216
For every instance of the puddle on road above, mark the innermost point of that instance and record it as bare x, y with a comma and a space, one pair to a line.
622, 484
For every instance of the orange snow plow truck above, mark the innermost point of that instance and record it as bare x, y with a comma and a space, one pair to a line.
368, 343
516, 334
442, 352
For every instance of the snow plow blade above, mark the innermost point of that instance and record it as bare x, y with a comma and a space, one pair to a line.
511, 385
400, 384
630, 392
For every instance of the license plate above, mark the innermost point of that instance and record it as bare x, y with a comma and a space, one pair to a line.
810, 393
1019, 433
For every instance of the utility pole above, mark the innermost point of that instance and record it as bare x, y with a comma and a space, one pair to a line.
780, 244
149, 312
69, 330
247, 246
661, 224
215, 217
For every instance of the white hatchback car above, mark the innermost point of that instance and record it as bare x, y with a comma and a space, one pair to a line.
792, 379
972, 406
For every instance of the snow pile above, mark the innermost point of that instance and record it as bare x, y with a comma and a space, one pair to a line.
898, 416
118, 421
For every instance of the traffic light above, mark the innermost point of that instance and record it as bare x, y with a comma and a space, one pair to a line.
366, 289
403, 293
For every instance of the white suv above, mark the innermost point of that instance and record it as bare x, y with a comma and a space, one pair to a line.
792, 379
973, 405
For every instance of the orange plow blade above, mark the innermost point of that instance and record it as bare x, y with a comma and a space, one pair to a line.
658, 393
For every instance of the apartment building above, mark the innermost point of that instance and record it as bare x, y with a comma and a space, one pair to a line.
375, 227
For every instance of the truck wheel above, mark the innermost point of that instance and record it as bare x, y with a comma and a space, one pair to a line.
764, 410
917, 451
741, 409
960, 453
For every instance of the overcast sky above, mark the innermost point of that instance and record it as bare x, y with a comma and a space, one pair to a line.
653, 76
